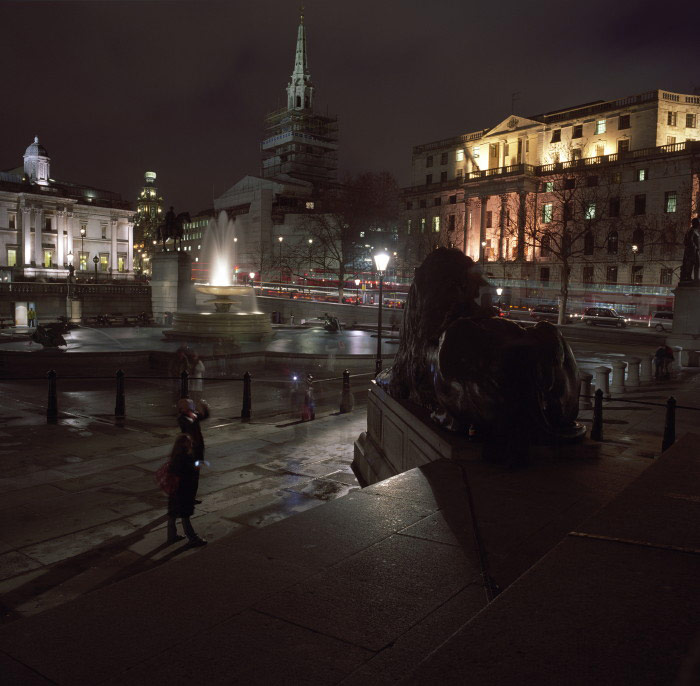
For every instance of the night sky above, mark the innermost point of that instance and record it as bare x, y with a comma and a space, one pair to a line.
181, 88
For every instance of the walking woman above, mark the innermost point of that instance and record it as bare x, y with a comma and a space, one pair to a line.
185, 467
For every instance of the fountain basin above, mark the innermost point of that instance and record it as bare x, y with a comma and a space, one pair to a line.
237, 327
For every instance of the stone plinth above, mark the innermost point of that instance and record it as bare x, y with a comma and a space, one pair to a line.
685, 333
171, 284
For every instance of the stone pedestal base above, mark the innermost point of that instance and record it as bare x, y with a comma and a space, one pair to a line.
171, 284
685, 333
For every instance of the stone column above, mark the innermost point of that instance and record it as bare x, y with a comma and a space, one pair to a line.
522, 219
602, 380
26, 236
502, 226
584, 399
130, 249
482, 227
113, 226
618, 376
70, 225
645, 373
467, 222
38, 234
59, 222
633, 371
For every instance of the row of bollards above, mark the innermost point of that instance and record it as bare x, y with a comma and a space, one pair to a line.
308, 409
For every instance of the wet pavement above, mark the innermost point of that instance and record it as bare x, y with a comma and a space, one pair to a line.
80, 508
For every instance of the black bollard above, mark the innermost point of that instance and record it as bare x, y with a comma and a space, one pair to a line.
52, 406
346, 399
597, 428
670, 425
184, 388
120, 404
247, 401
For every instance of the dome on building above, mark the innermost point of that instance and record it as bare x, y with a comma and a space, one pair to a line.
36, 149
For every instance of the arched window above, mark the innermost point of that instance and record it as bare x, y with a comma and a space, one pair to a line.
638, 240
612, 243
588, 243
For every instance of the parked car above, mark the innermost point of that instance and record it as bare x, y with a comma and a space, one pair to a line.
548, 313
603, 315
661, 321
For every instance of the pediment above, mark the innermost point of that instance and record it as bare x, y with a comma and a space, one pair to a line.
512, 124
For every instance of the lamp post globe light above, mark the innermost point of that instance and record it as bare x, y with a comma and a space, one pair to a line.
280, 239
357, 291
252, 278
483, 252
381, 260
635, 250
499, 292
71, 269
82, 244
96, 261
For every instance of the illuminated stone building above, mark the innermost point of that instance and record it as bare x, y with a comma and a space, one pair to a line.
149, 214
299, 161
45, 223
618, 179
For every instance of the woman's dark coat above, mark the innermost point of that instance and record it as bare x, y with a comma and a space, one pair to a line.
181, 503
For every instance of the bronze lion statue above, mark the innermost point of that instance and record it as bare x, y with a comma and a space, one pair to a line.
472, 369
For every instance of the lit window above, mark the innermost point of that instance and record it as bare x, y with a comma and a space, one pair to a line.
670, 140
310, 205
82, 261
590, 211
362, 234
600, 126
690, 120
12, 257
548, 186
460, 156
672, 119
547, 213
121, 263
642, 174
422, 225
104, 262
48, 255
476, 151
436, 224
600, 150
670, 201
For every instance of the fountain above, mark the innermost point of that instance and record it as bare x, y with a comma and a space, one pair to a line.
236, 317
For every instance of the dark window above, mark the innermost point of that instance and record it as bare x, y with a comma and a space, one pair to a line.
624, 121
443, 176
567, 213
47, 224
460, 174
614, 207
544, 246
638, 240
437, 201
640, 204
611, 275
588, 274
544, 274
637, 274
443, 158
489, 219
588, 243
569, 184
690, 120
556, 136
451, 222
429, 161
577, 131
612, 243
666, 277
453, 200
428, 179
670, 201
409, 205
591, 181
576, 154
623, 145
672, 119
422, 202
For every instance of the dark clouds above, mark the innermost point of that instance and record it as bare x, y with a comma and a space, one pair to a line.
182, 88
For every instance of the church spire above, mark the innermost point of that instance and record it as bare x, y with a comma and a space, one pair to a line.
300, 89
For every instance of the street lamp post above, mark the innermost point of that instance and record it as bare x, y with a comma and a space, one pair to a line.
95, 261
280, 239
82, 245
251, 275
635, 250
499, 291
71, 269
357, 291
381, 260
483, 254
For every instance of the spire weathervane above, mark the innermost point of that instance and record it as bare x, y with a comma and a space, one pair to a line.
301, 14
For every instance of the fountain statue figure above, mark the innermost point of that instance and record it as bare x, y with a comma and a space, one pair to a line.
236, 317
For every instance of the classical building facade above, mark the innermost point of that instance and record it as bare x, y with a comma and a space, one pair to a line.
45, 225
600, 193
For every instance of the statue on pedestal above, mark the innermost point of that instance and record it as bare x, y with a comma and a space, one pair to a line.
690, 269
473, 370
